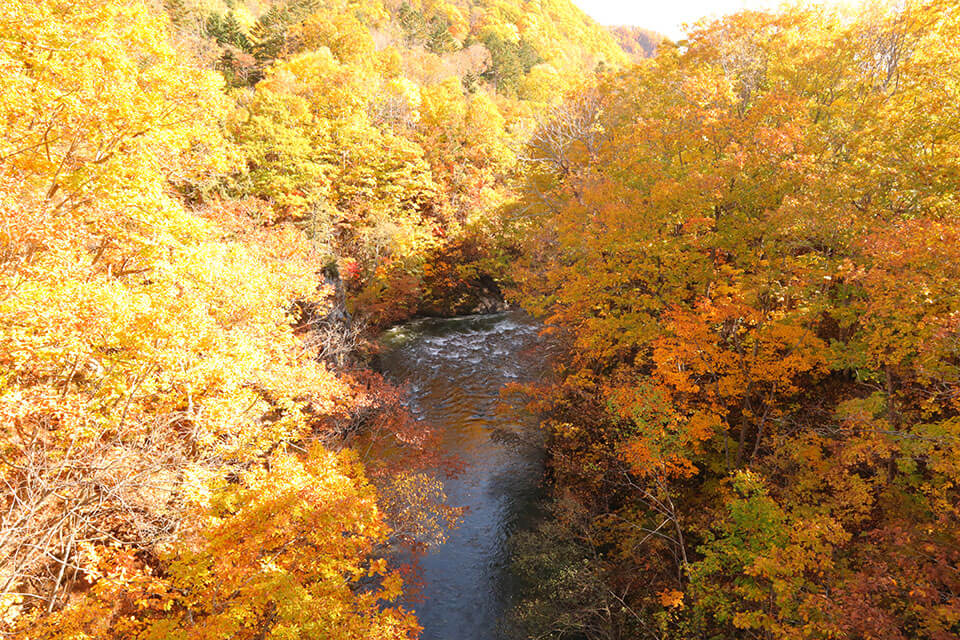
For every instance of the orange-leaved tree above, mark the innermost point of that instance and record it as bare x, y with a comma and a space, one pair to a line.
748, 244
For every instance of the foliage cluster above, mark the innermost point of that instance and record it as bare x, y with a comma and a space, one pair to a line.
750, 245
388, 130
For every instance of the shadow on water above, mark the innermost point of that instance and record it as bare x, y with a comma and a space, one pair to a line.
454, 370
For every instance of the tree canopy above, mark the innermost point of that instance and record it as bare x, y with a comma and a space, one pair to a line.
749, 242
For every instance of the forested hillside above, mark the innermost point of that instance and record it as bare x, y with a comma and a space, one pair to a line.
750, 246
190, 194
637, 42
390, 130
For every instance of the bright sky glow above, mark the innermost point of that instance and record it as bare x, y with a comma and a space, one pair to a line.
667, 16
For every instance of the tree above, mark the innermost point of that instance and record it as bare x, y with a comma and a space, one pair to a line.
737, 242
156, 397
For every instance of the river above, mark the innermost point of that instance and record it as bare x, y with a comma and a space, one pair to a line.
454, 370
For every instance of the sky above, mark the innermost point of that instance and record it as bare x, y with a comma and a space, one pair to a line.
665, 16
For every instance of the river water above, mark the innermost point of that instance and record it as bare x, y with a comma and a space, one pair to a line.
454, 370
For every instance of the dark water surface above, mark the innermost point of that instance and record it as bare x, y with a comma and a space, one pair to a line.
454, 370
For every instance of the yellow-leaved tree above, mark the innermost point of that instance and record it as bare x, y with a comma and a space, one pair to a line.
160, 420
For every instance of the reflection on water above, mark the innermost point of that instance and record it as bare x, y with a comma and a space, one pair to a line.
454, 370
